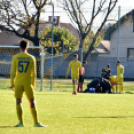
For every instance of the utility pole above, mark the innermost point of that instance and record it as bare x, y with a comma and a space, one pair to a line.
118, 40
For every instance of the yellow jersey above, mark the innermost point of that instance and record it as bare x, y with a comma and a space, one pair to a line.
120, 71
113, 79
24, 65
75, 67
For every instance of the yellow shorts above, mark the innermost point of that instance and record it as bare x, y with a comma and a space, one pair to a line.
20, 89
75, 77
119, 80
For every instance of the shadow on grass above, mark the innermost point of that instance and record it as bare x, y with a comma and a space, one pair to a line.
6, 126
129, 93
107, 117
53, 94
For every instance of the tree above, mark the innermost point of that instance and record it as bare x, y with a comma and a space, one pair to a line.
23, 15
63, 39
89, 38
75, 10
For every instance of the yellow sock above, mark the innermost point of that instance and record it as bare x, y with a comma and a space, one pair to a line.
116, 88
19, 113
34, 114
120, 88
74, 88
113, 89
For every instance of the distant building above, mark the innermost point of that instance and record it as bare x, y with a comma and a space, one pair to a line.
10, 39
57, 22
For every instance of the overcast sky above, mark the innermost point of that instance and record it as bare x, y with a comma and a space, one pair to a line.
126, 6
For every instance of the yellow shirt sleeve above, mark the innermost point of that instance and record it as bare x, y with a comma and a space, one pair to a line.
12, 73
69, 68
33, 72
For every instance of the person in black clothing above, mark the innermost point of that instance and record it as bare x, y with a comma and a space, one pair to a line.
106, 72
101, 85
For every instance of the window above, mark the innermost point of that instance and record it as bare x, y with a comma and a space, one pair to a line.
130, 53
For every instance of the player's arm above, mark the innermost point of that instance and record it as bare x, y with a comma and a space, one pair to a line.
12, 73
118, 71
33, 72
123, 70
109, 72
68, 69
102, 72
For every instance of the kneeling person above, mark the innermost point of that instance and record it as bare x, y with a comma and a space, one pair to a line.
101, 85
113, 80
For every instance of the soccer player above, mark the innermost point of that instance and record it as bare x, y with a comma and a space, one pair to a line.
120, 73
75, 66
106, 72
24, 65
81, 77
101, 85
113, 80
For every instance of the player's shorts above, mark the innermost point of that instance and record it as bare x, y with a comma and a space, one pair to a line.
119, 80
81, 79
75, 77
20, 89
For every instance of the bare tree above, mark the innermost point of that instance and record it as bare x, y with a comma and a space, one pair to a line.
23, 15
75, 10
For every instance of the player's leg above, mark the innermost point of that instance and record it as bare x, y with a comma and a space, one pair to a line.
33, 108
121, 86
113, 87
74, 82
18, 95
74, 86
81, 89
117, 85
81, 84
78, 85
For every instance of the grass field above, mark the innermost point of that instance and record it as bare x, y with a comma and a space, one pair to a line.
64, 113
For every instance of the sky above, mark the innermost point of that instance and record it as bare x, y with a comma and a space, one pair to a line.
126, 6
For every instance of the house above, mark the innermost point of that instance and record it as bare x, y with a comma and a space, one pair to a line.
125, 50
57, 22
10, 39
103, 48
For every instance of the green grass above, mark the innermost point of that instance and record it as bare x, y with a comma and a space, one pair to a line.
64, 113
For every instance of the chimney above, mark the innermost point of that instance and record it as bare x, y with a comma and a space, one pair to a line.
58, 20
50, 19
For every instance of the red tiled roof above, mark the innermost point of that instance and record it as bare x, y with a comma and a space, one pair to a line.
65, 25
70, 28
10, 39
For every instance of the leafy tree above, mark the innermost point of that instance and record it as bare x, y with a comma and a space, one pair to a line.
75, 10
89, 38
23, 15
63, 39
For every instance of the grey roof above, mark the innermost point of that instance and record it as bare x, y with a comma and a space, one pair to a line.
115, 26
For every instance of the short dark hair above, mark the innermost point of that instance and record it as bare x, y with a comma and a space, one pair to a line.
84, 62
75, 55
23, 44
108, 66
118, 62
